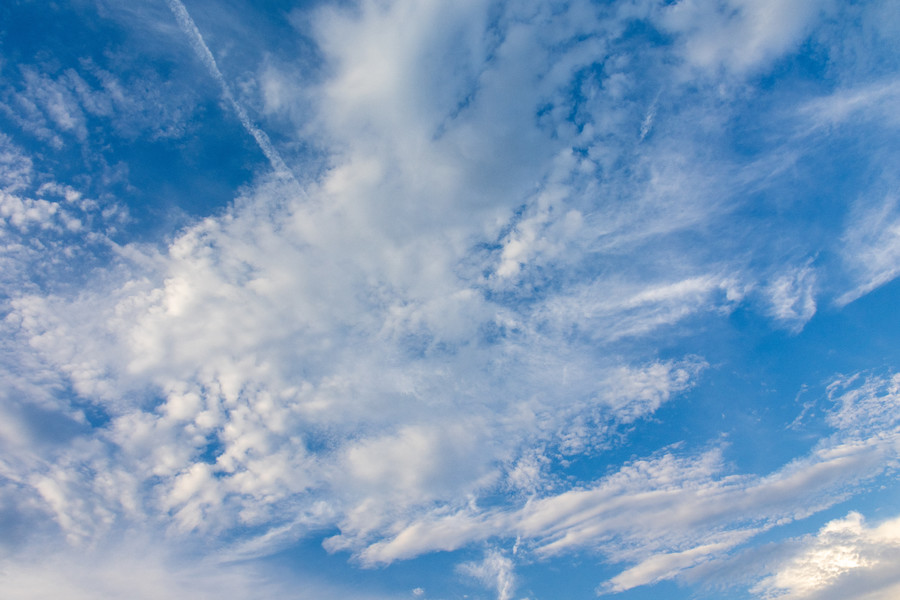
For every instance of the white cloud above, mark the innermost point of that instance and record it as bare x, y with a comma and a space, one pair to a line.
23, 212
87, 105
16, 168
51, 234
871, 246
792, 297
196, 38
740, 35
145, 569
430, 322
866, 405
878, 102
342, 344
672, 512
496, 571
665, 566
58, 104
846, 559
606, 311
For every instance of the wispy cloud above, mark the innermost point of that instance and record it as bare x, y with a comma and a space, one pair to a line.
669, 513
495, 571
872, 246
147, 569
739, 35
265, 144
494, 319
792, 296
869, 102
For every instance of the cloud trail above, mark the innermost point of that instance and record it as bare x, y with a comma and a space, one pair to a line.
265, 144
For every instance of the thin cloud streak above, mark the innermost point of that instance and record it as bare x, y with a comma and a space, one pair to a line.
265, 144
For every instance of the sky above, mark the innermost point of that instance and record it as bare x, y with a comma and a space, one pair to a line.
441, 300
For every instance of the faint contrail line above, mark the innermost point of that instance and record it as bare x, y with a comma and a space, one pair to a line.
265, 144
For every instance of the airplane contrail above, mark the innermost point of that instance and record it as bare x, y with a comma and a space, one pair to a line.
265, 144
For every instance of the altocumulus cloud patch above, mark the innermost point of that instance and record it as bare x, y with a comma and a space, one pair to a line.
473, 299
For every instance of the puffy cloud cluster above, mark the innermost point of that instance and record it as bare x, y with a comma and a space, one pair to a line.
847, 558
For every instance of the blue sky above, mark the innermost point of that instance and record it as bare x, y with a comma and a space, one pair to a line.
443, 300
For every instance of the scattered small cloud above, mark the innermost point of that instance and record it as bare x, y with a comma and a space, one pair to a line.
495, 571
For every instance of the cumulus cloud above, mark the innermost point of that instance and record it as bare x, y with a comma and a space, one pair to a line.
847, 558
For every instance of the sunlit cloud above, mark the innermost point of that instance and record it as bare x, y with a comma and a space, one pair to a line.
505, 296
